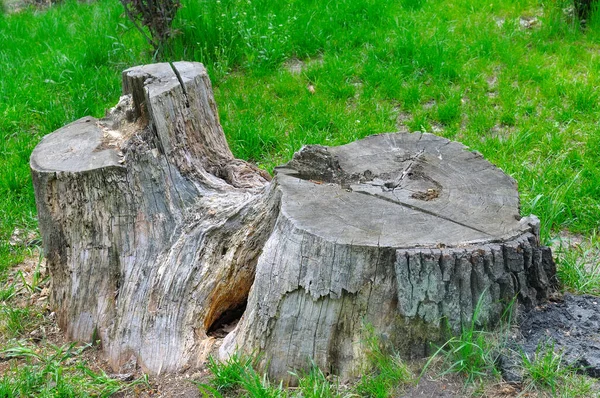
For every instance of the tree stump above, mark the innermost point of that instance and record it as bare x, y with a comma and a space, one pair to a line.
155, 235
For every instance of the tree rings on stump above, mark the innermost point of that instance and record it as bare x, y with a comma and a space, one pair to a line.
403, 232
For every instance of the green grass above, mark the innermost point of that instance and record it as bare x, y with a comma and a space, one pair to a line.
385, 375
15, 322
546, 372
238, 376
546, 368
578, 266
527, 99
228, 376
57, 372
473, 352
316, 385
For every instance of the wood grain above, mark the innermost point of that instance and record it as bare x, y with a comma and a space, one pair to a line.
403, 232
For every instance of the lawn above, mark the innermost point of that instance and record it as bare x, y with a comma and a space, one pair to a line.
515, 80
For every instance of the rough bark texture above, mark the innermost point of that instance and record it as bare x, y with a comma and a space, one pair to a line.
151, 228
404, 232
153, 231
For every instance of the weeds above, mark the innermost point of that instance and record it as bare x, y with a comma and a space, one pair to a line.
472, 353
545, 371
34, 283
259, 386
57, 372
388, 373
228, 376
238, 373
15, 321
7, 292
316, 385
385, 376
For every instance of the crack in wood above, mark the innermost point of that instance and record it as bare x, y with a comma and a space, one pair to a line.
420, 209
398, 182
178, 75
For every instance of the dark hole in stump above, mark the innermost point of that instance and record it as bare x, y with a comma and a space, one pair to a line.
228, 320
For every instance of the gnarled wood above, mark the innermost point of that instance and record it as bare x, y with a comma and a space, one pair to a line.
153, 231
151, 228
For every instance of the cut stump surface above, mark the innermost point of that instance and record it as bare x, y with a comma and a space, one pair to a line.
154, 233
404, 232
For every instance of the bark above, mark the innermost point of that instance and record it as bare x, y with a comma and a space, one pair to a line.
141, 217
402, 232
154, 233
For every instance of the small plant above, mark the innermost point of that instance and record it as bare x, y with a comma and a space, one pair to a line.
156, 16
260, 387
37, 278
57, 372
238, 373
316, 385
545, 370
15, 321
228, 375
7, 292
472, 352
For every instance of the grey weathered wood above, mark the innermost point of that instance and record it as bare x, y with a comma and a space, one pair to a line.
153, 230
141, 215
404, 232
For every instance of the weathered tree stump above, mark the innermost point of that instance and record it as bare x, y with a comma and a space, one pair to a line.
151, 228
154, 233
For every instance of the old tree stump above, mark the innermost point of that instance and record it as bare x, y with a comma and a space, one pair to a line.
155, 234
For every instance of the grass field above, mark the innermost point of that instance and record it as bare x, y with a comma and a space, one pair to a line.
516, 80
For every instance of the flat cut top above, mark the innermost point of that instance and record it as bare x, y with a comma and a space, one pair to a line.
400, 190
76, 147
86, 145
